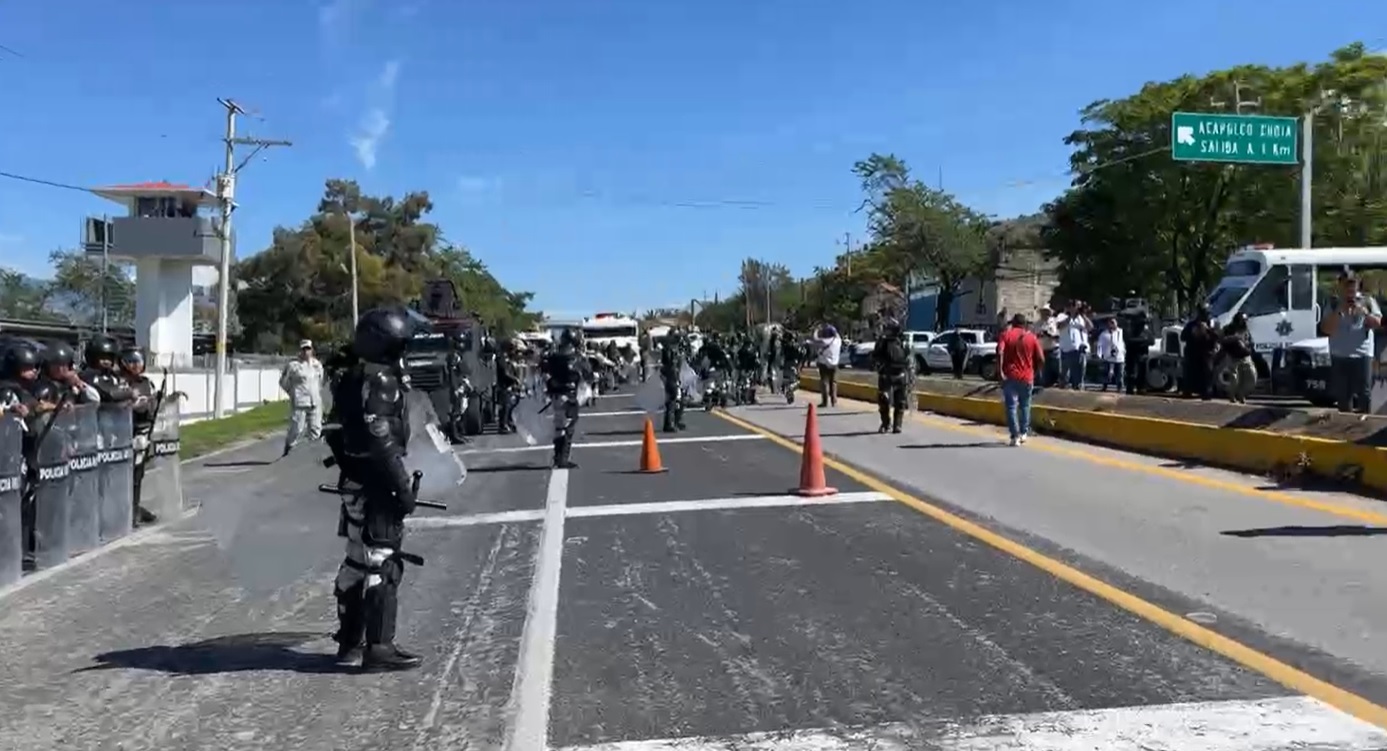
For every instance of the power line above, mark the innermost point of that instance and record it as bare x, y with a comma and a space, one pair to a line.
41, 181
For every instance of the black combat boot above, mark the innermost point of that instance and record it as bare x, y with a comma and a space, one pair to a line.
897, 419
384, 657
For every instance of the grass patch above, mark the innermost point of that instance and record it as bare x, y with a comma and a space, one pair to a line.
207, 436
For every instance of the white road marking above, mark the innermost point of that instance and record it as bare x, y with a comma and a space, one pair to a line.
627, 413
613, 396
528, 708
630, 509
472, 520
1266, 725
713, 504
614, 444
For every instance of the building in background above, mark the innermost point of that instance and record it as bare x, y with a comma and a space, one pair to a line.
1023, 281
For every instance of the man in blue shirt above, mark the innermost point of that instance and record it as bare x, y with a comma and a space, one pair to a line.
1350, 325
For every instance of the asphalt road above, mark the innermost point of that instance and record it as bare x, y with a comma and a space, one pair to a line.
601, 608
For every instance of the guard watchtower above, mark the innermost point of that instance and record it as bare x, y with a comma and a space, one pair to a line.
168, 229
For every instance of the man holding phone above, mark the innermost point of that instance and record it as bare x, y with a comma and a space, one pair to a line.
1350, 323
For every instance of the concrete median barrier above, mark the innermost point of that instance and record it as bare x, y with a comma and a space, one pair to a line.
1280, 454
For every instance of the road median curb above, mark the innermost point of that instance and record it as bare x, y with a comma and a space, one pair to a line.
1276, 454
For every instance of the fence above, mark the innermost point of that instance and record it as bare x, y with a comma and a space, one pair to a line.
69, 481
246, 385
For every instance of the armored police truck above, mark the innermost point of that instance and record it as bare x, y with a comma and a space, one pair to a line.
452, 360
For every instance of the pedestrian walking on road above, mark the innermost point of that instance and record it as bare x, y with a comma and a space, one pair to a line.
1019, 358
830, 353
302, 380
1112, 350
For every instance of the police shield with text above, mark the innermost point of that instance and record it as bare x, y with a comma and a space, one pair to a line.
565, 369
893, 362
369, 448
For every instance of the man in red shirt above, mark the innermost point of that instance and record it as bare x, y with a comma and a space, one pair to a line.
1018, 359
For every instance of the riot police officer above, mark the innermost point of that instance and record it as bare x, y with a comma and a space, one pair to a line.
893, 363
508, 386
673, 356
369, 405
143, 407
99, 357
565, 367
19, 372
58, 382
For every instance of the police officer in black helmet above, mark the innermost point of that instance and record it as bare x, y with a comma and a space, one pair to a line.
369, 401
100, 357
19, 371
58, 382
565, 367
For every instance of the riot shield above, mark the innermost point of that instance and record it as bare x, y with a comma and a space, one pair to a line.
161, 486
530, 420
116, 480
650, 397
84, 480
690, 385
53, 487
430, 453
11, 493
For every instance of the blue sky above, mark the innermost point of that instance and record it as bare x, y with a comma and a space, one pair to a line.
593, 151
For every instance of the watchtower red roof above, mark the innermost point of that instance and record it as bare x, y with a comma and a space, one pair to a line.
123, 193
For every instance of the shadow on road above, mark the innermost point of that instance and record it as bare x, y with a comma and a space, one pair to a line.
225, 654
1337, 530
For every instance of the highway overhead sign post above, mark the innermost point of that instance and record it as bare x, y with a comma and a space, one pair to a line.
1238, 139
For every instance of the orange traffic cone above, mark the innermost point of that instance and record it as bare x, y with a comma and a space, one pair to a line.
812, 482
650, 451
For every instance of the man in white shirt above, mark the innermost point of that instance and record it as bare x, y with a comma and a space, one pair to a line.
302, 380
830, 354
1074, 327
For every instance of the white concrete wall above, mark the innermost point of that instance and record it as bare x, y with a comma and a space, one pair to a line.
244, 387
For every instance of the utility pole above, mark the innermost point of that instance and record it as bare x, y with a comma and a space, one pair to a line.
847, 250
351, 239
226, 191
105, 271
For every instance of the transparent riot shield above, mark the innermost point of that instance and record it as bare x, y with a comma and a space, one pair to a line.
84, 480
650, 397
53, 487
690, 385
430, 453
161, 484
11, 493
530, 420
116, 478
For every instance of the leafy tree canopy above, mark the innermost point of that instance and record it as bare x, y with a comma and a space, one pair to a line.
1136, 220
300, 287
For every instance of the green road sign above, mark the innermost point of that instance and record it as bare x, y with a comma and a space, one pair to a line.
1242, 139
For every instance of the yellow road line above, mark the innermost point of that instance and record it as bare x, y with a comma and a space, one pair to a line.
1236, 651
1288, 499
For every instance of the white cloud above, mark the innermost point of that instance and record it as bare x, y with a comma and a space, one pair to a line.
473, 184
335, 17
376, 121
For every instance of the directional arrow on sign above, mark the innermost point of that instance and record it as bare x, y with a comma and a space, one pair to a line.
1184, 134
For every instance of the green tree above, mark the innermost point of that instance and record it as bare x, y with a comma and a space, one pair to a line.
24, 298
1137, 220
917, 229
300, 287
80, 285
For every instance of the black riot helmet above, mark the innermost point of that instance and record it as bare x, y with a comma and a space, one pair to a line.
132, 360
568, 338
100, 347
19, 356
382, 335
57, 354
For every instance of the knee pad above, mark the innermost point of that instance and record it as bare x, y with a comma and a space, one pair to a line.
381, 567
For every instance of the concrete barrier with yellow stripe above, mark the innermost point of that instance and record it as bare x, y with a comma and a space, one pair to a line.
1260, 451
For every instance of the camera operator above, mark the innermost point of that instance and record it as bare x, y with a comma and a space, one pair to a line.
1350, 324
1074, 327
